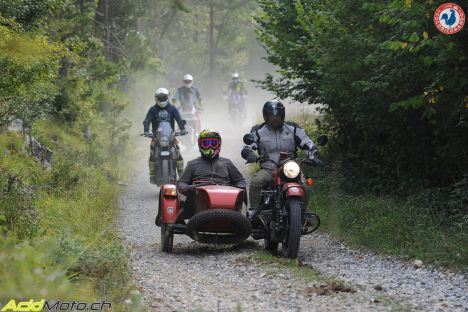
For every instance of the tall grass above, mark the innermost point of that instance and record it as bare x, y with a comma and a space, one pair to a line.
412, 227
58, 236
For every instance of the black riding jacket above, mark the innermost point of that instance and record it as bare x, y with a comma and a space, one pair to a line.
157, 114
218, 170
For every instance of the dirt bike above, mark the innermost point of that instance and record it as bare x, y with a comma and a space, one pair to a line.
281, 217
235, 107
211, 214
164, 152
193, 128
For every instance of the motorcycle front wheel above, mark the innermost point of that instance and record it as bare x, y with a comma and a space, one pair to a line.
165, 174
293, 237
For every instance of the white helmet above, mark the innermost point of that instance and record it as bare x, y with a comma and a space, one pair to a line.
188, 80
235, 75
162, 97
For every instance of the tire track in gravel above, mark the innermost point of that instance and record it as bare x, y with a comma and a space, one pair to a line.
198, 277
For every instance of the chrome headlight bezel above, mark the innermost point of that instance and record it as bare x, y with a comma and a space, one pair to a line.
291, 169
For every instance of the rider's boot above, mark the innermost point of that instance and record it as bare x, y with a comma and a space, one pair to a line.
152, 171
180, 167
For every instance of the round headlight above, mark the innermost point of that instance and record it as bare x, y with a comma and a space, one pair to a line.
164, 141
291, 169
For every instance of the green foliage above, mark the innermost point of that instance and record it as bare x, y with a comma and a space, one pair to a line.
392, 86
26, 272
29, 67
19, 215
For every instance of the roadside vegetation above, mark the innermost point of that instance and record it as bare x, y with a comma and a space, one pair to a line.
70, 71
59, 87
392, 92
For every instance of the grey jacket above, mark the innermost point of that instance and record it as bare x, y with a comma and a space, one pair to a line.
286, 139
219, 171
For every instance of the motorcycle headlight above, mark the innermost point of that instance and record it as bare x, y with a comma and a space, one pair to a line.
291, 169
164, 141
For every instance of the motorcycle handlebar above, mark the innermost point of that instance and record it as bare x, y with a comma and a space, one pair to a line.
152, 135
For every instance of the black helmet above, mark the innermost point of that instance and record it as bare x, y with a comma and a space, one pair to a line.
273, 113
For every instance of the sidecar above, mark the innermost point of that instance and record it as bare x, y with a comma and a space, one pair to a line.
211, 215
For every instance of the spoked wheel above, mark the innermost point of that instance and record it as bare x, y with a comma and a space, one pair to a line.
293, 237
167, 238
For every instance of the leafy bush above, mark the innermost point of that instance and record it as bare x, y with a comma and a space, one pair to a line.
393, 87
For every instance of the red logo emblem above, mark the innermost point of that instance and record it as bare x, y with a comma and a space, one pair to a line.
449, 18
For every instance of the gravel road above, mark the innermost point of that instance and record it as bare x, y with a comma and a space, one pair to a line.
198, 277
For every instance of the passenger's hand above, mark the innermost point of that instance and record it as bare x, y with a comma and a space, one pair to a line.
188, 189
252, 158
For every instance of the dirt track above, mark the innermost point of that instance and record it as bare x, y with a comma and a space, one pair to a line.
199, 277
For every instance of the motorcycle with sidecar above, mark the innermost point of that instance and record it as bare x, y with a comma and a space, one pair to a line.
211, 214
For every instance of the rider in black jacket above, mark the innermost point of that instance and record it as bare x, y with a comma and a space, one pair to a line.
163, 110
210, 167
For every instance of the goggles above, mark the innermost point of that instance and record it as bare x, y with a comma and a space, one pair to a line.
187, 81
210, 142
161, 98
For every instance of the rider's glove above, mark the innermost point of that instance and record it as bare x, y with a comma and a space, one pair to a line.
252, 158
314, 158
187, 189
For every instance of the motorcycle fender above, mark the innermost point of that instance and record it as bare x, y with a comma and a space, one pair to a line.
170, 205
293, 190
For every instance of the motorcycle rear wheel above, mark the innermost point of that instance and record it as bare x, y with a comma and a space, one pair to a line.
293, 238
167, 238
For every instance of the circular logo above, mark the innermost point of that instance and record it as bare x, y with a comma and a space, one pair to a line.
449, 18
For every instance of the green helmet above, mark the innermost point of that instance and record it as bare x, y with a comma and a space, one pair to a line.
209, 143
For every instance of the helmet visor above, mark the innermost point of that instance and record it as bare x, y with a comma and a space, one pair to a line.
188, 81
273, 112
161, 97
210, 142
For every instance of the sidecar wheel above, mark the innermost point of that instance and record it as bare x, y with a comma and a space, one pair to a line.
167, 238
239, 221
293, 237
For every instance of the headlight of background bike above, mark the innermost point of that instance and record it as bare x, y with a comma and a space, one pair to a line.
291, 169
164, 141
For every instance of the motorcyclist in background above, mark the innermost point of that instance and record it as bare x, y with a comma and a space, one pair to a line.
208, 167
275, 136
236, 89
188, 96
163, 110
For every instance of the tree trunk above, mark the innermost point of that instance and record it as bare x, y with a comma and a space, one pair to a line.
212, 50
